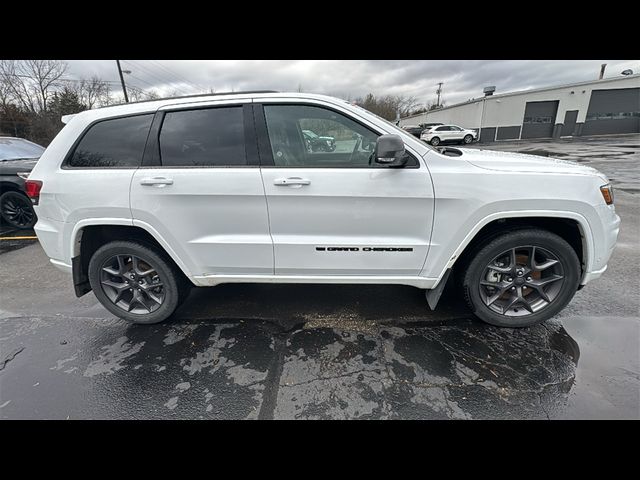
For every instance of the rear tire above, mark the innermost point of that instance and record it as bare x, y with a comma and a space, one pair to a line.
555, 269
435, 141
117, 276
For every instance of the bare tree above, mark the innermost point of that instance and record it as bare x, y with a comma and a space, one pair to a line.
93, 92
32, 81
388, 106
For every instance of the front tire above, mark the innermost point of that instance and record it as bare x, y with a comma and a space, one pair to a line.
135, 282
521, 278
467, 139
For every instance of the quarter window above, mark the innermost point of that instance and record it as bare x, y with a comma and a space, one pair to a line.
212, 137
113, 143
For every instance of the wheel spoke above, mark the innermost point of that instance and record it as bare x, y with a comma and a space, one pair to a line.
121, 265
546, 281
513, 301
111, 271
543, 266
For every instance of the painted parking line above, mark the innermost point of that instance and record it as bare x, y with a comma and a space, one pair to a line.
18, 238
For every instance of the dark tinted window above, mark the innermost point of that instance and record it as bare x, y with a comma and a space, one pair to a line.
113, 143
211, 137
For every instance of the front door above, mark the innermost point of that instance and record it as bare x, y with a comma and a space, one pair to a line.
335, 212
203, 191
569, 127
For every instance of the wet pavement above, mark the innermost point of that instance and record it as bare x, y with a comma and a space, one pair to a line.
325, 351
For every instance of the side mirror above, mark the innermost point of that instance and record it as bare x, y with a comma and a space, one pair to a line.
389, 151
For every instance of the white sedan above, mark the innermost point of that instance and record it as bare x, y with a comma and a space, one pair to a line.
448, 133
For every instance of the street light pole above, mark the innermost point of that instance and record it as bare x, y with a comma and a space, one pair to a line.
124, 88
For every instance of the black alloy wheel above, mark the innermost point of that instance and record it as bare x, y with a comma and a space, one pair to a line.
17, 211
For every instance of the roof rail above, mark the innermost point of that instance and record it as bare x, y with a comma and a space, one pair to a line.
193, 96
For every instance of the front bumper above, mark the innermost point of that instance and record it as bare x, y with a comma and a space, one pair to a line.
605, 245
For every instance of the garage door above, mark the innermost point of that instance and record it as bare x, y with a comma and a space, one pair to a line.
539, 119
613, 111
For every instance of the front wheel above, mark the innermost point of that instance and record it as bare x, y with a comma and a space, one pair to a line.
521, 278
135, 282
467, 139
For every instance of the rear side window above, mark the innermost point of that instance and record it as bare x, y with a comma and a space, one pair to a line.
211, 137
113, 143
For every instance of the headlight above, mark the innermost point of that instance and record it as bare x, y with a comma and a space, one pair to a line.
607, 193
23, 175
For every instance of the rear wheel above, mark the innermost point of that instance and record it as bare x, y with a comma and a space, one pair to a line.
16, 210
521, 278
435, 141
135, 282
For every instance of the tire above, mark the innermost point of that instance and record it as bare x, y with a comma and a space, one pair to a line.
16, 209
548, 248
435, 141
172, 292
467, 139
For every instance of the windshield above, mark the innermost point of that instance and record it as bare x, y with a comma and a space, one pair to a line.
18, 148
309, 133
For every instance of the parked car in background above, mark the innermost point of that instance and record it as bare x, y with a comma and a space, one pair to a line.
318, 143
17, 157
448, 134
427, 126
414, 130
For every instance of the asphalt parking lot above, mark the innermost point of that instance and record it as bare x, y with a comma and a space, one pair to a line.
325, 351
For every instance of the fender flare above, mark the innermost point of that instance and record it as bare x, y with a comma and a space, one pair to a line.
583, 224
79, 226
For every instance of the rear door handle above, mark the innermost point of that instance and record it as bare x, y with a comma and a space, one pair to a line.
285, 182
156, 181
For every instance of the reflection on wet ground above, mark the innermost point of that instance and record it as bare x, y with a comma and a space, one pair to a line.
340, 364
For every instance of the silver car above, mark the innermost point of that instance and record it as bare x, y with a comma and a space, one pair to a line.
448, 133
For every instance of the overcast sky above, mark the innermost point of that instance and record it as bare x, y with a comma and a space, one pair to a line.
463, 79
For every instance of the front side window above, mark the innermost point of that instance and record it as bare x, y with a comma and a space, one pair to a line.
209, 137
309, 136
113, 143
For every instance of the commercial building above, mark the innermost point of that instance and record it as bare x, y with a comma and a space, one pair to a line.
599, 107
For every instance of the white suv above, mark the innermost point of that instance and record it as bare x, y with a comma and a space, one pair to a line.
141, 201
448, 133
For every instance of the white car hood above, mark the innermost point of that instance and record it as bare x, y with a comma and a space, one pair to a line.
520, 162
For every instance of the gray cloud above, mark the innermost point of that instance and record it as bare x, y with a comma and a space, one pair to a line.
463, 79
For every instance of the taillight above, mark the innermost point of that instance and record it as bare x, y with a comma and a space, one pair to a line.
33, 187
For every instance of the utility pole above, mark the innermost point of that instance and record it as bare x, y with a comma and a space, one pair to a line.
124, 88
602, 67
439, 91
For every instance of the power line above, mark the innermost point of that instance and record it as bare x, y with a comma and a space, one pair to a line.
177, 76
162, 78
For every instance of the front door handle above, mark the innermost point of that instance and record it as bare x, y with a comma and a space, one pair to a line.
285, 182
156, 181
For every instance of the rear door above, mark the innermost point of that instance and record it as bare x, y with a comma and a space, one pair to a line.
456, 133
338, 213
443, 133
200, 189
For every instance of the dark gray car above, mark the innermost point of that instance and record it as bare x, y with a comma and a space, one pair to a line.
17, 158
